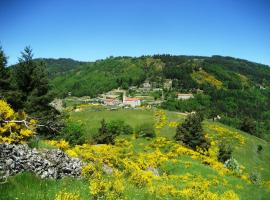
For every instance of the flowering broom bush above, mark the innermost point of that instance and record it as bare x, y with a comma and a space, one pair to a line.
14, 127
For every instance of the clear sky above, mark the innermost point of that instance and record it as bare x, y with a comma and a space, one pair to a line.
94, 29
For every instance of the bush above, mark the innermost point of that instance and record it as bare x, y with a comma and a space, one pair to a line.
225, 152
146, 130
73, 133
259, 148
14, 127
103, 136
190, 132
233, 165
249, 125
119, 127
255, 178
108, 131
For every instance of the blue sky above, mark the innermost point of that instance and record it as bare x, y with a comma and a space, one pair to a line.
94, 29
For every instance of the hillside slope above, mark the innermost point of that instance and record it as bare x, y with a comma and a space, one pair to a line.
155, 168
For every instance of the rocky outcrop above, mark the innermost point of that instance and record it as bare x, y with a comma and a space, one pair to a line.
44, 163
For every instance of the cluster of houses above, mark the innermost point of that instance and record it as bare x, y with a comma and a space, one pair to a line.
118, 98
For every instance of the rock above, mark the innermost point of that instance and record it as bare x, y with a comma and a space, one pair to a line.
107, 169
153, 170
47, 164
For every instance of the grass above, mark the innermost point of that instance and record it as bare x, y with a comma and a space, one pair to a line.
27, 186
247, 154
91, 120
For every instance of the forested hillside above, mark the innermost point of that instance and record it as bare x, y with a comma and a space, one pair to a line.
234, 88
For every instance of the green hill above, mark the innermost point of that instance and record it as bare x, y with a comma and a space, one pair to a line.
183, 173
233, 88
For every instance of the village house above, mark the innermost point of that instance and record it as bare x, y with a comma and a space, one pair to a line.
133, 102
111, 102
146, 86
181, 96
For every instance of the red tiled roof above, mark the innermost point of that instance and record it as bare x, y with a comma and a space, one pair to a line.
131, 99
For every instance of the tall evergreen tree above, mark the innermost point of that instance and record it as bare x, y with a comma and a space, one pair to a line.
32, 81
3, 73
191, 132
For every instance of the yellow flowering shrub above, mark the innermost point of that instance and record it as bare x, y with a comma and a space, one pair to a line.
198, 188
231, 195
61, 144
142, 178
107, 188
160, 119
204, 77
173, 124
67, 196
13, 126
136, 168
225, 134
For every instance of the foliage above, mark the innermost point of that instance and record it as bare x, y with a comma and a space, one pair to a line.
67, 196
119, 127
225, 152
248, 125
73, 133
108, 131
203, 77
14, 127
190, 132
4, 85
255, 178
259, 148
102, 188
61, 144
233, 165
233, 88
146, 130
29, 91
191, 175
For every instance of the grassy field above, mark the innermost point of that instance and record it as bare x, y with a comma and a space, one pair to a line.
91, 120
246, 154
27, 186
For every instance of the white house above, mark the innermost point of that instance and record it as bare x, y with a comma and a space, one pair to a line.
133, 102
181, 96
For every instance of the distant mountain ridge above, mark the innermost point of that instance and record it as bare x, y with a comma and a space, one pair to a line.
57, 67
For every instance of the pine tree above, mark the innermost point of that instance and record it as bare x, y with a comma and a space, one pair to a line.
191, 132
31, 80
3, 73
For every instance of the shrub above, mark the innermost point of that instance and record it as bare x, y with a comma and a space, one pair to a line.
249, 125
259, 148
190, 132
232, 165
14, 127
146, 130
73, 133
255, 178
62, 195
119, 127
104, 136
108, 131
225, 152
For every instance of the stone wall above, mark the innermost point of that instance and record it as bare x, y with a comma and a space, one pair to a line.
44, 163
